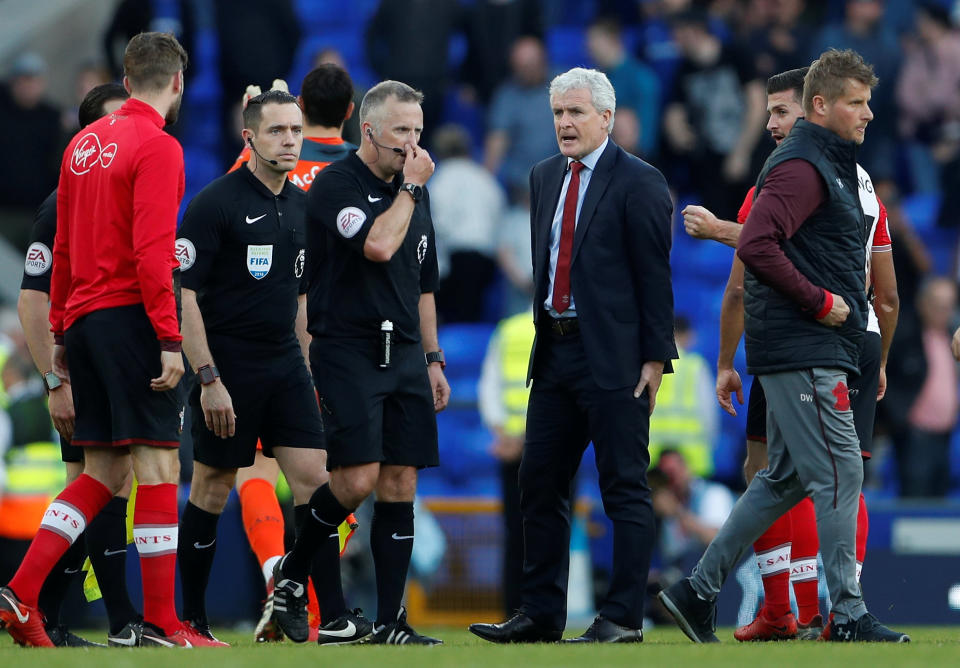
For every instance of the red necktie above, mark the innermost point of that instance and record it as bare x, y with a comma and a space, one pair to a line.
561, 279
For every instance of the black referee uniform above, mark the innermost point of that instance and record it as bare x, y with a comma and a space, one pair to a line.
242, 250
37, 269
371, 414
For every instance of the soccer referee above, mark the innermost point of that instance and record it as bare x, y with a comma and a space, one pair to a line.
242, 253
377, 364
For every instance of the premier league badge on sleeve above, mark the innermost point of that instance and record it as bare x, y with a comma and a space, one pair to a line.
422, 248
298, 263
259, 259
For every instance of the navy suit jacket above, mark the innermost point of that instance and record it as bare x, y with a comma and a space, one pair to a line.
620, 268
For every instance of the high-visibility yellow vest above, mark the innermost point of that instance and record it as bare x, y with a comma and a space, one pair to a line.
516, 339
677, 422
35, 475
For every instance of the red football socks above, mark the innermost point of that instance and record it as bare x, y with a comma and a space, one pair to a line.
64, 521
773, 559
155, 534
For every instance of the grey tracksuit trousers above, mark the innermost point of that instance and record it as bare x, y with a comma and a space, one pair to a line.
813, 450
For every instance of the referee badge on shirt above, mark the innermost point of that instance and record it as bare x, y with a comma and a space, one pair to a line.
259, 259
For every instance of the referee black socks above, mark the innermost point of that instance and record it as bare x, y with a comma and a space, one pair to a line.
195, 549
66, 572
391, 541
321, 517
325, 569
106, 538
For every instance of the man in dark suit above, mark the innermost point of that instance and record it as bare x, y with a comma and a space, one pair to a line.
603, 310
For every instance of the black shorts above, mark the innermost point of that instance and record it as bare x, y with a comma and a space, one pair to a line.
757, 413
112, 355
373, 414
70, 453
273, 399
863, 391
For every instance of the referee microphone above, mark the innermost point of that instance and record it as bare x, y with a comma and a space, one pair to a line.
250, 143
378, 144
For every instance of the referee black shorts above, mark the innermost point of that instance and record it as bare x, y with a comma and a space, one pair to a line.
273, 399
372, 414
756, 413
113, 353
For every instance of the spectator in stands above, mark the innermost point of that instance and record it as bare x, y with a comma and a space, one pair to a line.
715, 114
686, 417
467, 203
928, 95
513, 255
924, 460
780, 44
133, 17
864, 31
502, 395
491, 26
409, 42
689, 509
257, 41
32, 144
637, 86
520, 124
89, 76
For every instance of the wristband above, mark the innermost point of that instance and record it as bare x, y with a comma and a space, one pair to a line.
207, 374
436, 356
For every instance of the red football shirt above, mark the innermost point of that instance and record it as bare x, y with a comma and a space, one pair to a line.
121, 182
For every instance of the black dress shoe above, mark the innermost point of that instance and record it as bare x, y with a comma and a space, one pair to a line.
603, 630
518, 628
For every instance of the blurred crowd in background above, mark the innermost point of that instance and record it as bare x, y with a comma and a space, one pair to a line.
690, 81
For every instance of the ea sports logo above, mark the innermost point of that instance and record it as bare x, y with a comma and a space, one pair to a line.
185, 252
88, 153
38, 260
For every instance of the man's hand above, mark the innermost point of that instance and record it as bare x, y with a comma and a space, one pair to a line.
699, 222
955, 344
736, 166
439, 386
418, 167
838, 313
60, 403
882, 385
650, 376
218, 409
507, 448
728, 382
666, 504
58, 362
171, 370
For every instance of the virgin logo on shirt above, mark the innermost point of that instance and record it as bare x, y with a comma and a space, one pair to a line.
88, 153
843, 397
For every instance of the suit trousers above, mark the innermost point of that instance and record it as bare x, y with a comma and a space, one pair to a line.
567, 410
813, 451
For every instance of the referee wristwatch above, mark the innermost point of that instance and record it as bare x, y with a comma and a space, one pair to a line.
416, 192
436, 356
52, 381
207, 374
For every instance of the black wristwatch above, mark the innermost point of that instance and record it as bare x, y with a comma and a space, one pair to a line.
436, 356
52, 381
416, 192
207, 374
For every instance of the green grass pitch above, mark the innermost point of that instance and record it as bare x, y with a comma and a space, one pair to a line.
931, 646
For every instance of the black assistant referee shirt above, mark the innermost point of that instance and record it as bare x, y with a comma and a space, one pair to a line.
242, 250
38, 264
349, 295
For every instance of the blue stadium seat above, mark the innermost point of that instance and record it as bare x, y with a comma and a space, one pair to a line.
566, 47
922, 209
